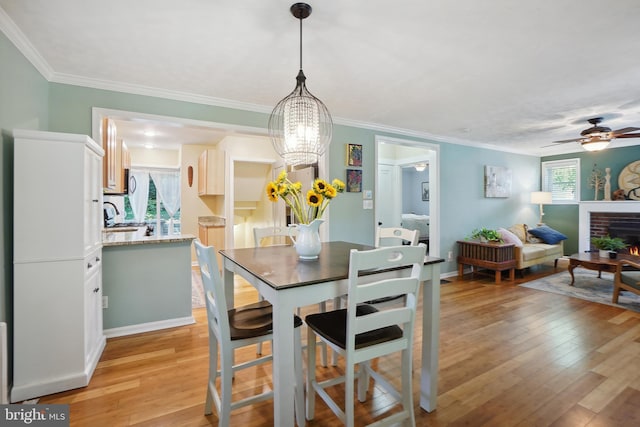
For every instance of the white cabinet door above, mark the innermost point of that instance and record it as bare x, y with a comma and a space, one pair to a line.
93, 304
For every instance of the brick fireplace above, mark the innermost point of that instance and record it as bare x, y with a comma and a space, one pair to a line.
599, 218
625, 225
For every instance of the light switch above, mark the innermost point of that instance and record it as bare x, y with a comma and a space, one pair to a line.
367, 204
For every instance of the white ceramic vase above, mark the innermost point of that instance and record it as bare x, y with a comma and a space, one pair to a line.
307, 244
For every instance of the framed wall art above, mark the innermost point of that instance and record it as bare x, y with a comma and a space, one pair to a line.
425, 191
354, 180
497, 181
354, 155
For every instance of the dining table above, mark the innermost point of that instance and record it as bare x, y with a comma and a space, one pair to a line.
288, 282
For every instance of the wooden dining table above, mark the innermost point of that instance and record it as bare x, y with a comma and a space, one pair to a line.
288, 282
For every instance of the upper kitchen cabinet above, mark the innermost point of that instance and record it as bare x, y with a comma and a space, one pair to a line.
116, 162
211, 173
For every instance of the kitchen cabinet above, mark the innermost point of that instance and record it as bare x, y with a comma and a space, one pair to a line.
57, 293
116, 161
212, 236
211, 173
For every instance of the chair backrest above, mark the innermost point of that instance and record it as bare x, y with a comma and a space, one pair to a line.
361, 289
214, 290
269, 236
395, 233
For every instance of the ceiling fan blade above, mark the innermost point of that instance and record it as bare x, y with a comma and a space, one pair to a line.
628, 135
567, 140
624, 130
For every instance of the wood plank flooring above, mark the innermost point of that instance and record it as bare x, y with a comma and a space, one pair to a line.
509, 356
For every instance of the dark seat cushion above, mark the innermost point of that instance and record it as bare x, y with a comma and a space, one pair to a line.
333, 326
254, 320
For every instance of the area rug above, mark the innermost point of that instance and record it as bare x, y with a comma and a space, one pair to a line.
197, 290
587, 286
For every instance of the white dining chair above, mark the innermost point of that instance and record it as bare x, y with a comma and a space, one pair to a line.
392, 236
270, 236
362, 332
230, 329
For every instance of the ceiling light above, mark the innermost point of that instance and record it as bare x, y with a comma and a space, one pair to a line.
300, 125
595, 143
149, 133
420, 167
148, 145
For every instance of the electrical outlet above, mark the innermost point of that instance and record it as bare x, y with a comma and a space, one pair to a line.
450, 256
105, 302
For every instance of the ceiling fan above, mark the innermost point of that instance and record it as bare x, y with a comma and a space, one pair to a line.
598, 137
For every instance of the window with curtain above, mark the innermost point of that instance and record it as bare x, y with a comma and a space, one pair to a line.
562, 179
154, 197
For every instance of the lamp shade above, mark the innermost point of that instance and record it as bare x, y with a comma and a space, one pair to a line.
541, 197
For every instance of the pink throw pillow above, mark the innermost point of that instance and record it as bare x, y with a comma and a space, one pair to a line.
509, 237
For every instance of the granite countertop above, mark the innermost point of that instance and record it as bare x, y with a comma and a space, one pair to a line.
138, 237
211, 221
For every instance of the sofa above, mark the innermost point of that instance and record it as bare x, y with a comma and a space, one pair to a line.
534, 246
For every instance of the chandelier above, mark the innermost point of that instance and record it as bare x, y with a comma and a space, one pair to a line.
300, 125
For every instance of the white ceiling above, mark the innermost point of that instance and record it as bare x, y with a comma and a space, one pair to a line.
503, 73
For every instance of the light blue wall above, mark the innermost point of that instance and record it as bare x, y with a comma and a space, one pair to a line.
463, 205
412, 191
23, 104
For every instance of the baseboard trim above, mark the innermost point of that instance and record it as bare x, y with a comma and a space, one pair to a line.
148, 327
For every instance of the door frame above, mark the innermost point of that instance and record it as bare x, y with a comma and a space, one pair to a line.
432, 155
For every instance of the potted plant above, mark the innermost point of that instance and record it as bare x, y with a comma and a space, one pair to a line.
607, 244
485, 235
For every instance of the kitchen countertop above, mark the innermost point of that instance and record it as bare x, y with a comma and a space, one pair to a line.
123, 238
211, 221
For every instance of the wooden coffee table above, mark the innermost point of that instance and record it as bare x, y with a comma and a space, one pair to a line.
592, 261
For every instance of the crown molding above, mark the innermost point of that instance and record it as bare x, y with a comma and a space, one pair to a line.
22, 43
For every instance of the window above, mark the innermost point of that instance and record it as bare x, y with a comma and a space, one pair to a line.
154, 197
562, 179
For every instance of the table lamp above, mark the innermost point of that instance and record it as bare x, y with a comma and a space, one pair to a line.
541, 198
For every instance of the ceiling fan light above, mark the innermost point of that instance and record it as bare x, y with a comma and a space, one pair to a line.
420, 167
595, 144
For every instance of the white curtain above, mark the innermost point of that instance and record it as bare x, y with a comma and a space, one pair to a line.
139, 193
168, 189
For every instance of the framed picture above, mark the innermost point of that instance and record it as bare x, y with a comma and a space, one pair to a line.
354, 155
354, 180
497, 181
425, 191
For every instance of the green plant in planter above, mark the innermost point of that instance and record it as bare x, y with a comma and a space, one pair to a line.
608, 243
486, 234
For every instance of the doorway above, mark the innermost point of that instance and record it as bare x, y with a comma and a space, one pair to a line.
406, 194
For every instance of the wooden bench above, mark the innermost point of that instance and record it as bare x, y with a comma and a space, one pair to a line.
491, 256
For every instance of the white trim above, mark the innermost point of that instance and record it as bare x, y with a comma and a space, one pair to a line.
434, 184
22, 43
149, 326
584, 222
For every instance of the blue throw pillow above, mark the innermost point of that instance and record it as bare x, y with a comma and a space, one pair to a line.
548, 235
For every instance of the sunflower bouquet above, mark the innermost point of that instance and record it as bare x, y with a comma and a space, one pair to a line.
316, 201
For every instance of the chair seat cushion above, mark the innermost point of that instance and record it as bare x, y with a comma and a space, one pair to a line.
253, 320
332, 325
631, 278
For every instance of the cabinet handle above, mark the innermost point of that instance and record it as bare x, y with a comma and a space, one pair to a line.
97, 259
96, 290
89, 265
95, 200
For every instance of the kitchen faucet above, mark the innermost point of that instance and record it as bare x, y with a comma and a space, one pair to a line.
114, 207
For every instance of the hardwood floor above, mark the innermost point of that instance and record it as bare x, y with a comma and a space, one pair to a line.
509, 356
